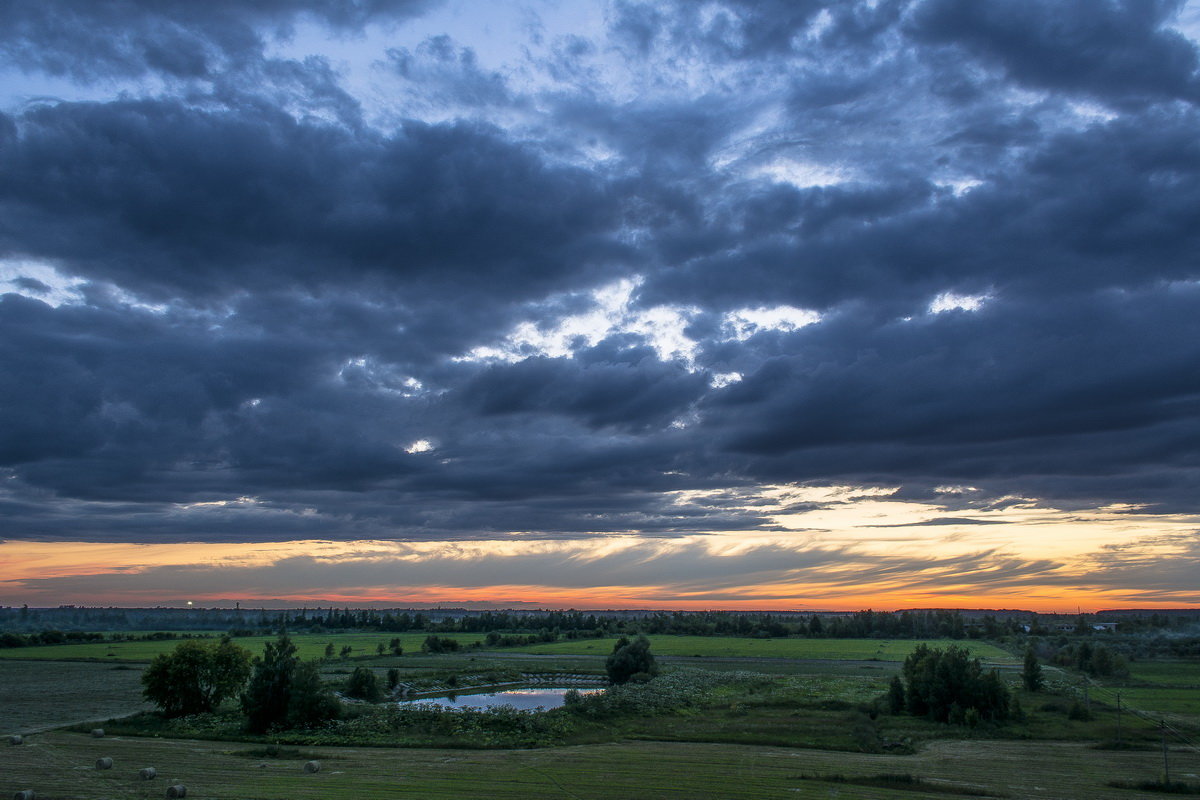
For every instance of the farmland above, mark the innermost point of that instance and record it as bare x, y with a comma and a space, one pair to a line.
35, 694
779, 717
735, 647
60, 765
309, 646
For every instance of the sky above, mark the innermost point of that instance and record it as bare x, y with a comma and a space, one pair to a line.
783, 304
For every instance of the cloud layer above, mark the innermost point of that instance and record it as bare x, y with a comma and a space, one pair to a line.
360, 269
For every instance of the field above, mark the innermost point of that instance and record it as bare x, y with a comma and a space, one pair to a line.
40, 695
309, 646
798, 727
61, 765
1171, 688
731, 646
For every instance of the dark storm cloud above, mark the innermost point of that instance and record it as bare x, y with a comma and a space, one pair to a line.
1114, 50
176, 39
246, 199
633, 391
1085, 389
277, 297
1112, 205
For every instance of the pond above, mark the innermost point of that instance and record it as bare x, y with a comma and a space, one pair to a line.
522, 699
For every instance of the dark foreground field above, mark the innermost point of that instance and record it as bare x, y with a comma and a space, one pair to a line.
61, 765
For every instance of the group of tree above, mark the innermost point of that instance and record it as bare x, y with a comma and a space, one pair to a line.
949, 686
277, 690
1094, 659
439, 644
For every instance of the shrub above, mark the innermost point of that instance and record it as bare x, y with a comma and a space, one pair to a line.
439, 644
631, 661
363, 685
895, 696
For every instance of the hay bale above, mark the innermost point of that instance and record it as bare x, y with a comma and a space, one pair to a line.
312, 766
148, 773
15, 739
104, 763
178, 790
24, 795
97, 733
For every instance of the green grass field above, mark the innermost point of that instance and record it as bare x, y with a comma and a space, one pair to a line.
1166, 673
1171, 688
309, 646
61, 765
736, 647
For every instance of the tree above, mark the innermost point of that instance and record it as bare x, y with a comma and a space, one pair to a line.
1031, 673
364, 685
895, 695
631, 661
195, 677
309, 701
265, 701
329, 650
285, 692
393, 678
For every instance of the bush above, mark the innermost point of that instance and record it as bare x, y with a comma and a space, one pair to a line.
895, 696
363, 685
439, 644
631, 661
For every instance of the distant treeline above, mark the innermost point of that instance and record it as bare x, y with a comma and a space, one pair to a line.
551, 625
1135, 636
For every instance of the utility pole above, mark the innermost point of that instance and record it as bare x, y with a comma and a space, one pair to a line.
1162, 726
1119, 741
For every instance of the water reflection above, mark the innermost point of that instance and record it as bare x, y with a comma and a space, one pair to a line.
522, 699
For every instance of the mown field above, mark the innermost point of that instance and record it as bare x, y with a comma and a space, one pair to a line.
60, 765
35, 695
309, 646
736, 647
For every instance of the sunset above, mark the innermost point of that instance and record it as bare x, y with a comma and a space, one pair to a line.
600, 304
599, 399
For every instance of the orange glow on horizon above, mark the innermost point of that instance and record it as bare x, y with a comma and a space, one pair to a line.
868, 552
